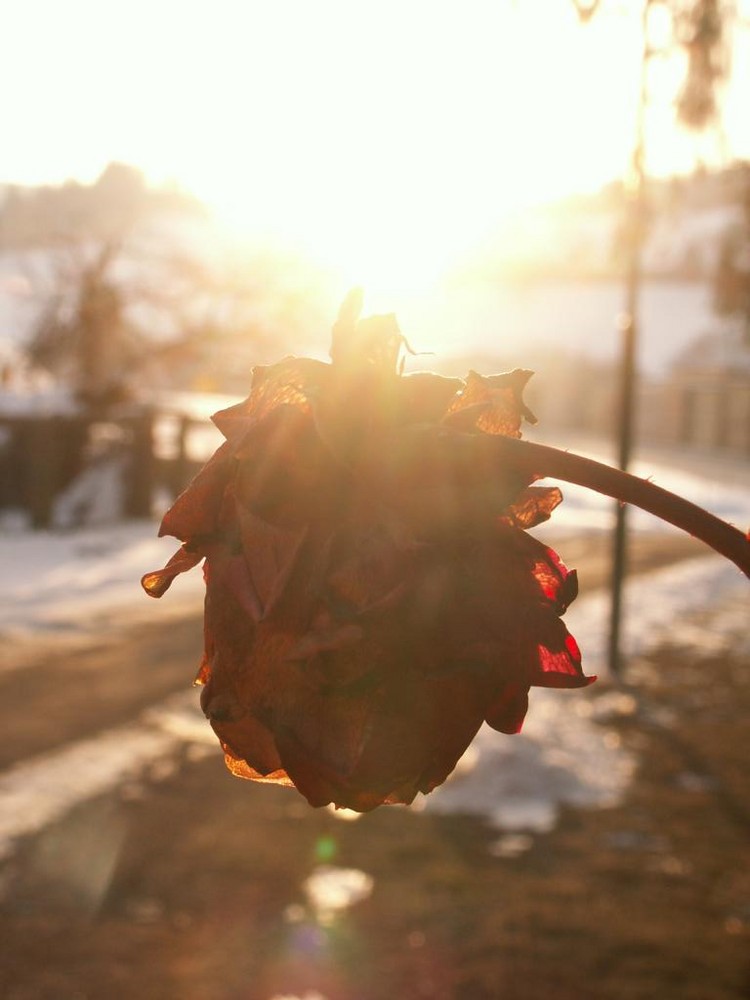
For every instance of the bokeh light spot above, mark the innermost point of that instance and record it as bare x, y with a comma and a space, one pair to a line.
325, 848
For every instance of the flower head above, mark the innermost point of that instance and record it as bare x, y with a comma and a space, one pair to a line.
372, 596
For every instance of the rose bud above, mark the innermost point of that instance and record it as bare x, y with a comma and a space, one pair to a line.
372, 594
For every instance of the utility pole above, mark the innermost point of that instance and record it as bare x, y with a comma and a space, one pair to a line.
628, 325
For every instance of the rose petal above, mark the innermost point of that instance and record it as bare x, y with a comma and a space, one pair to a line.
504, 409
195, 512
532, 506
158, 582
507, 713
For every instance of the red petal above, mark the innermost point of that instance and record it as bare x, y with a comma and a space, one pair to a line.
196, 509
290, 382
270, 553
497, 401
286, 475
508, 712
558, 658
157, 583
424, 396
532, 506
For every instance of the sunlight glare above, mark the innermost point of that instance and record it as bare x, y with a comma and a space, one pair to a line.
394, 160
383, 140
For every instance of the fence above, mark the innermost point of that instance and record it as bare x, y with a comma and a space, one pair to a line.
705, 412
43, 457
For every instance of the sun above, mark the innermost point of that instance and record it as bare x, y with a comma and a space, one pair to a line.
388, 163
394, 237
383, 139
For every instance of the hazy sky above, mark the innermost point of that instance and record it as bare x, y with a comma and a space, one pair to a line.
370, 126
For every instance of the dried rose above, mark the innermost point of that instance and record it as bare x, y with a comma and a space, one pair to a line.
372, 595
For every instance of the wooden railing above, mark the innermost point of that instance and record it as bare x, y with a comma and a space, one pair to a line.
41, 456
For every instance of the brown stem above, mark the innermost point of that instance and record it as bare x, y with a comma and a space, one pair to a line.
540, 460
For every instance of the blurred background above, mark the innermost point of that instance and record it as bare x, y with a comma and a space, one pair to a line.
188, 191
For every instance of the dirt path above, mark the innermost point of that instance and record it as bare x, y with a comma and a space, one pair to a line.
195, 889
192, 887
57, 697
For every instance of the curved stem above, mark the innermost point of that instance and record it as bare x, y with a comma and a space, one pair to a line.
540, 460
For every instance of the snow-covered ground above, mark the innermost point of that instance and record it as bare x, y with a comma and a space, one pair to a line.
58, 585
72, 583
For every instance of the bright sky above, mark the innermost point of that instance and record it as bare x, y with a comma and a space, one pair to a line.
388, 134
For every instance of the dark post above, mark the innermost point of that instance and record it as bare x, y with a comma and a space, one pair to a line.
181, 475
140, 494
629, 328
619, 545
41, 440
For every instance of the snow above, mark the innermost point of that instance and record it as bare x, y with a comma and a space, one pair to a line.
513, 321
63, 583
39, 791
95, 497
36, 398
76, 584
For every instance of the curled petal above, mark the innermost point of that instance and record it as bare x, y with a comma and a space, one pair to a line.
532, 506
559, 660
196, 510
157, 583
497, 402
288, 383
242, 769
507, 712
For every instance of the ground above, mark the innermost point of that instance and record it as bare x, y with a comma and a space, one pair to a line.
192, 886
